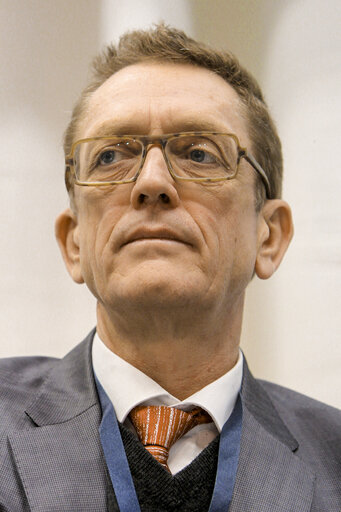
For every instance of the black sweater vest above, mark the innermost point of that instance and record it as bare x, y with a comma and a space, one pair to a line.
189, 490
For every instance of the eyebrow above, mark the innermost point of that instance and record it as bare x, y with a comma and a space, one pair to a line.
109, 128
190, 125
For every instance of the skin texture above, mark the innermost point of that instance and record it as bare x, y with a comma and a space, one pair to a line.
169, 261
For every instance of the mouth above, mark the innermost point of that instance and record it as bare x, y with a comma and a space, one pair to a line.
154, 235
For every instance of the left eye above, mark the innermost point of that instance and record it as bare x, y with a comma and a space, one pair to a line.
201, 156
107, 157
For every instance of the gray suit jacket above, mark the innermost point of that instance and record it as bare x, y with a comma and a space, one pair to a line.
51, 458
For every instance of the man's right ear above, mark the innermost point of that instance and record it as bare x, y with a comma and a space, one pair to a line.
67, 235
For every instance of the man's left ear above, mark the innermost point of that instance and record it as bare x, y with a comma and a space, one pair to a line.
275, 233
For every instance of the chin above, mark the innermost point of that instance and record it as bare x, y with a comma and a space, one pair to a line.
156, 289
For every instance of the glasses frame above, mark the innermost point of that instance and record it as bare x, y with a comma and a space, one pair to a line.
161, 142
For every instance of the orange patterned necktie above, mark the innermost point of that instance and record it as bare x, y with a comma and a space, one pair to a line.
159, 427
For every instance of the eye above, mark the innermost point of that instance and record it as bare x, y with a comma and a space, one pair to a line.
107, 157
201, 156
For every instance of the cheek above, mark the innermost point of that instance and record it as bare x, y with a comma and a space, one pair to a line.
97, 222
214, 215
230, 230
242, 244
101, 208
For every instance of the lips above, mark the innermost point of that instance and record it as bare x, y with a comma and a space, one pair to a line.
157, 233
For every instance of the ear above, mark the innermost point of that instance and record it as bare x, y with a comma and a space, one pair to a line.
275, 233
67, 235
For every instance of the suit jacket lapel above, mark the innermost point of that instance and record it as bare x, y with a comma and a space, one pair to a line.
59, 459
270, 477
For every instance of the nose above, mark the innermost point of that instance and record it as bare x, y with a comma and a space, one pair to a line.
155, 185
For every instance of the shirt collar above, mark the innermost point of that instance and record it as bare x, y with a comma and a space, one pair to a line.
127, 387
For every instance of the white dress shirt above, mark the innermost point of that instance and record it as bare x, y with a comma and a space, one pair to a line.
127, 387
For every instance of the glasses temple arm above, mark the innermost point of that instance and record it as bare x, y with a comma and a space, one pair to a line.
249, 158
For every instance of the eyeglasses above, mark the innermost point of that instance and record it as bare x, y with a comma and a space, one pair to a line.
201, 157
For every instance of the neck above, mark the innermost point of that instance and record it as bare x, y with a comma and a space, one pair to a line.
182, 357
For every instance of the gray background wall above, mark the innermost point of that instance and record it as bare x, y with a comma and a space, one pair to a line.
292, 322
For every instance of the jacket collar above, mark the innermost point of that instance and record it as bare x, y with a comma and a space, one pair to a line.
259, 404
69, 388
270, 476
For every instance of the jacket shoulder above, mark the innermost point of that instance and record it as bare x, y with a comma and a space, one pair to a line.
20, 378
317, 428
24, 370
302, 411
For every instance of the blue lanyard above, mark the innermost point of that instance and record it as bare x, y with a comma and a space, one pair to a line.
119, 471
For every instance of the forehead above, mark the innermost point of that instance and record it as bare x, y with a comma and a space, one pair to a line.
154, 98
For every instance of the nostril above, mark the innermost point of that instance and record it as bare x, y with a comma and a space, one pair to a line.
164, 198
149, 198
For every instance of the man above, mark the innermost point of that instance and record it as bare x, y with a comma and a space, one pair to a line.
173, 167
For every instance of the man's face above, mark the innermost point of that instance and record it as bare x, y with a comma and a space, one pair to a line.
158, 242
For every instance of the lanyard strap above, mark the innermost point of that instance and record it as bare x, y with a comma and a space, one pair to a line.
115, 456
228, 457
117, 463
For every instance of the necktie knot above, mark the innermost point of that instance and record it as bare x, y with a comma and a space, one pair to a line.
159, 427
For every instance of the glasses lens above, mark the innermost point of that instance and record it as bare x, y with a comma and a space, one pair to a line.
203, 156
107, 160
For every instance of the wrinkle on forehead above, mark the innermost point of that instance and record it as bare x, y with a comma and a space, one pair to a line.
152, 98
